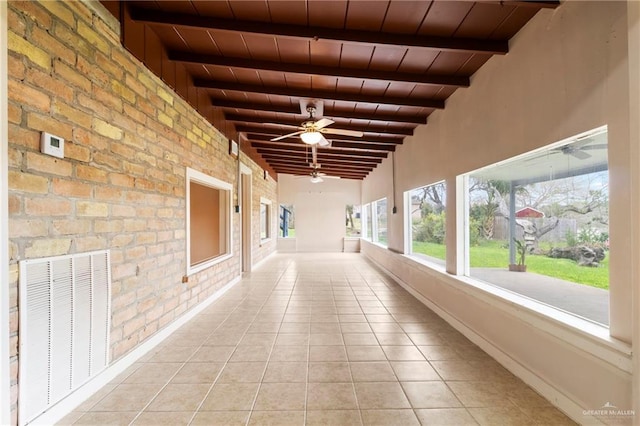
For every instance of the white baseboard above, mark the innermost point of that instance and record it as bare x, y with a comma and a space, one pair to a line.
260, 263
73, 400
548, 391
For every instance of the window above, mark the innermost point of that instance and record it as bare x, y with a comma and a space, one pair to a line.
380, 224
425, 222
545, 215
265, 219
353, 221
287, 221
208, 221
367, 225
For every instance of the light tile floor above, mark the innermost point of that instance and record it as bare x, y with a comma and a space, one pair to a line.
317, 339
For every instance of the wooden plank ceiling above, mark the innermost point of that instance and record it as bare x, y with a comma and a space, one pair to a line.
376, 67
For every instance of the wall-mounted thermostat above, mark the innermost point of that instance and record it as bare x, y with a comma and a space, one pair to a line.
52, 145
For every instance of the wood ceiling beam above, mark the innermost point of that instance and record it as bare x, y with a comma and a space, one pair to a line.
301, 171
290, 109
323, 166
328, 154
303, 148
292, 122
471, 45
349, 145
346, 161
540, 4
255, 132
319, 94
361, 74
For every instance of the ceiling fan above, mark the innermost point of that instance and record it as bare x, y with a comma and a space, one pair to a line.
575, 149
316, 174
311, 131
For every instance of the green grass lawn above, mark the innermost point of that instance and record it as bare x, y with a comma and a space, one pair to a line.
492, 254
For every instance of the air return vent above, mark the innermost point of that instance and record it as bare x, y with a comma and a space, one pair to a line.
65, 306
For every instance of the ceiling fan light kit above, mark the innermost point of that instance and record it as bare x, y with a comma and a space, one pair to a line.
311, 137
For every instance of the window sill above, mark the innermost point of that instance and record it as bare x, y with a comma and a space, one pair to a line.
202, 266
265, 241
578, 332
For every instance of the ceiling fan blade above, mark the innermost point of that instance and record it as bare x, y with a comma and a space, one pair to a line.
324, 142
322, 123
331, 177
579, 154
286, 136
342, 132
594, 147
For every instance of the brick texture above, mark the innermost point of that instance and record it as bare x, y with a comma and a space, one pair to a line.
121, 186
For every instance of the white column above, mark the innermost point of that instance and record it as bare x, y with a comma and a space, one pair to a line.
633, 16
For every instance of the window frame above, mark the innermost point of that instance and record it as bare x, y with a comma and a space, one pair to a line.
226, 188
408, 229
374, 222
267, 203
367, 233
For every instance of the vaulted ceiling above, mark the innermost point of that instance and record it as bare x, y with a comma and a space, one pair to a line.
377, 67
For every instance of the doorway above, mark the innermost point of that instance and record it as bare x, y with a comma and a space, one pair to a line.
245, 212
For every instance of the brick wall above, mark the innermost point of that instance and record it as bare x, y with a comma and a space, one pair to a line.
121, 186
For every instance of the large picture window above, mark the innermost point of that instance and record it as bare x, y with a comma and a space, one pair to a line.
538, 225
367, 222
425, 222
353, 221
208, 221
380, 224
265, 219
287, 223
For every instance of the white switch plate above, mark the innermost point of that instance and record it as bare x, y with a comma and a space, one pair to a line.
52, 145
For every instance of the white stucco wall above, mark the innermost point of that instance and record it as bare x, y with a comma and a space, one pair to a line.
319, 211
567, 72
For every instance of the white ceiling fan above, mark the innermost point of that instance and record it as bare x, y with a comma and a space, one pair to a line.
316, 175
311, 131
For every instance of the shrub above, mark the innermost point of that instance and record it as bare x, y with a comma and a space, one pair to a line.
431, 229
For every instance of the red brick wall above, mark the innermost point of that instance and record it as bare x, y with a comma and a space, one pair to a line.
121, 185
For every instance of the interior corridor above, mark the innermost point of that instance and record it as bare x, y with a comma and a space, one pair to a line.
317, 339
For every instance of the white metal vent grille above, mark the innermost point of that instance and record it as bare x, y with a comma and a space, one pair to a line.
65, 305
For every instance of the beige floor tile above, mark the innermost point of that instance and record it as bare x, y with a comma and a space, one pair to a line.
292, 339
106, 418
389, 418
431, 394
480, 394
414, 371
325, 327
329, 372
294, 327
327, 353
503, 416
373, 318
250, 353
197, 372
70, 418
548, 416
349, 308
226, 338
213, 354
324, 318
154, 372
282, 372
352, 318
416, 327
230, 397
439, 353
403, 353
372, 371
525, 397
258, 339
281, 396
226, 418
331, 396
445, 417
394, 339
150, 418
325, 339
182, 397
360, 339
173, 354
333, 418
242, 372
380, 395
459, 370
289, 353
427, 339
128, 397
277, 418
264, 327
355, 327
385, 327
365, 353
92, 400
